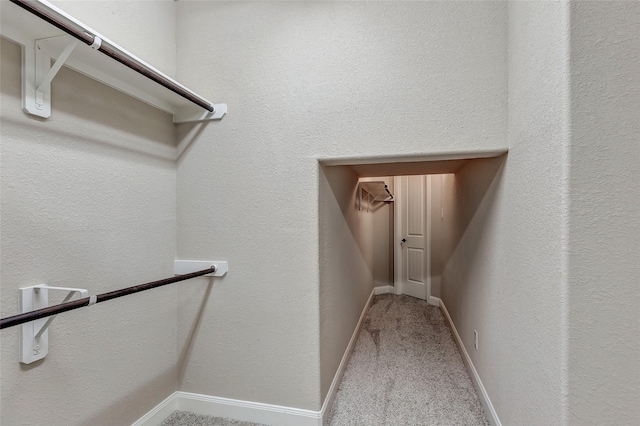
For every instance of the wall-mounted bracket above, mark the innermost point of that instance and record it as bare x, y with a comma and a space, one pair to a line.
37, 74
34, 336
375, 191
196, 115
102, 60
181, 267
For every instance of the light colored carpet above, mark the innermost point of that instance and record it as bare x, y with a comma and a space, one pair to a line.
405, 370
185, 418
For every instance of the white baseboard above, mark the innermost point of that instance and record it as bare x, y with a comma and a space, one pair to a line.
230, 408
287, 416
254, 411
492, 416
337, 378
383, 289
247, 411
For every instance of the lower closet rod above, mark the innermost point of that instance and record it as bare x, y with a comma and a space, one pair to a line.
75, 304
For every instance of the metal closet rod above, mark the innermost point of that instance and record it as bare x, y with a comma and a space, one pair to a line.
89, 40
386, 188
75, 304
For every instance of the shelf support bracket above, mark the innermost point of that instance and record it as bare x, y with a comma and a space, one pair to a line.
37, 74
72, 291
45, 83
34, 336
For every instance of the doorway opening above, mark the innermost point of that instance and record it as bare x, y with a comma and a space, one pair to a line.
407, 217
395, 216
414, 211
397, 238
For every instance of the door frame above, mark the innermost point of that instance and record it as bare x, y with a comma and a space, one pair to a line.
397, 234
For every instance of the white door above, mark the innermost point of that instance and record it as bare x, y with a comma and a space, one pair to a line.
412, 236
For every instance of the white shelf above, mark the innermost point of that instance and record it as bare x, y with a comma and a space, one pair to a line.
38, 37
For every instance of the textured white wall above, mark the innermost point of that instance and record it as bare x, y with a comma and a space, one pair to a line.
78, 211
317, 80
604, 231
143, 27
308, 80
505, 222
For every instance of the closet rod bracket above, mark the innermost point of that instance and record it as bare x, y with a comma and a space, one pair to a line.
34, 335
196, 115
37, 74
181, 267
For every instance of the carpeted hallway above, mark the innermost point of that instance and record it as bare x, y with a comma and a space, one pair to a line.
405, 370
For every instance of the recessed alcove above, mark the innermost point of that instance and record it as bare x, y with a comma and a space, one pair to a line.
361, 248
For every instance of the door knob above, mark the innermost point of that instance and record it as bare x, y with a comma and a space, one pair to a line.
404, 240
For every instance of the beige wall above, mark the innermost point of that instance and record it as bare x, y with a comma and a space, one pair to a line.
548, 236
309, 80
539, 248
505, 222
83, 206
81, 211
603, 340
143, 27
347, 250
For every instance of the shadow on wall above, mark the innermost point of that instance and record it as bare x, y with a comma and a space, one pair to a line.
341, 183
80, 96
372, 208
186, 135
101, 114
471, 188
345, 264
469, 196
185, 353
130, 402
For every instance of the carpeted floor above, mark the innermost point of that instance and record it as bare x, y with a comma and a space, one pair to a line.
185, 418
405, 370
